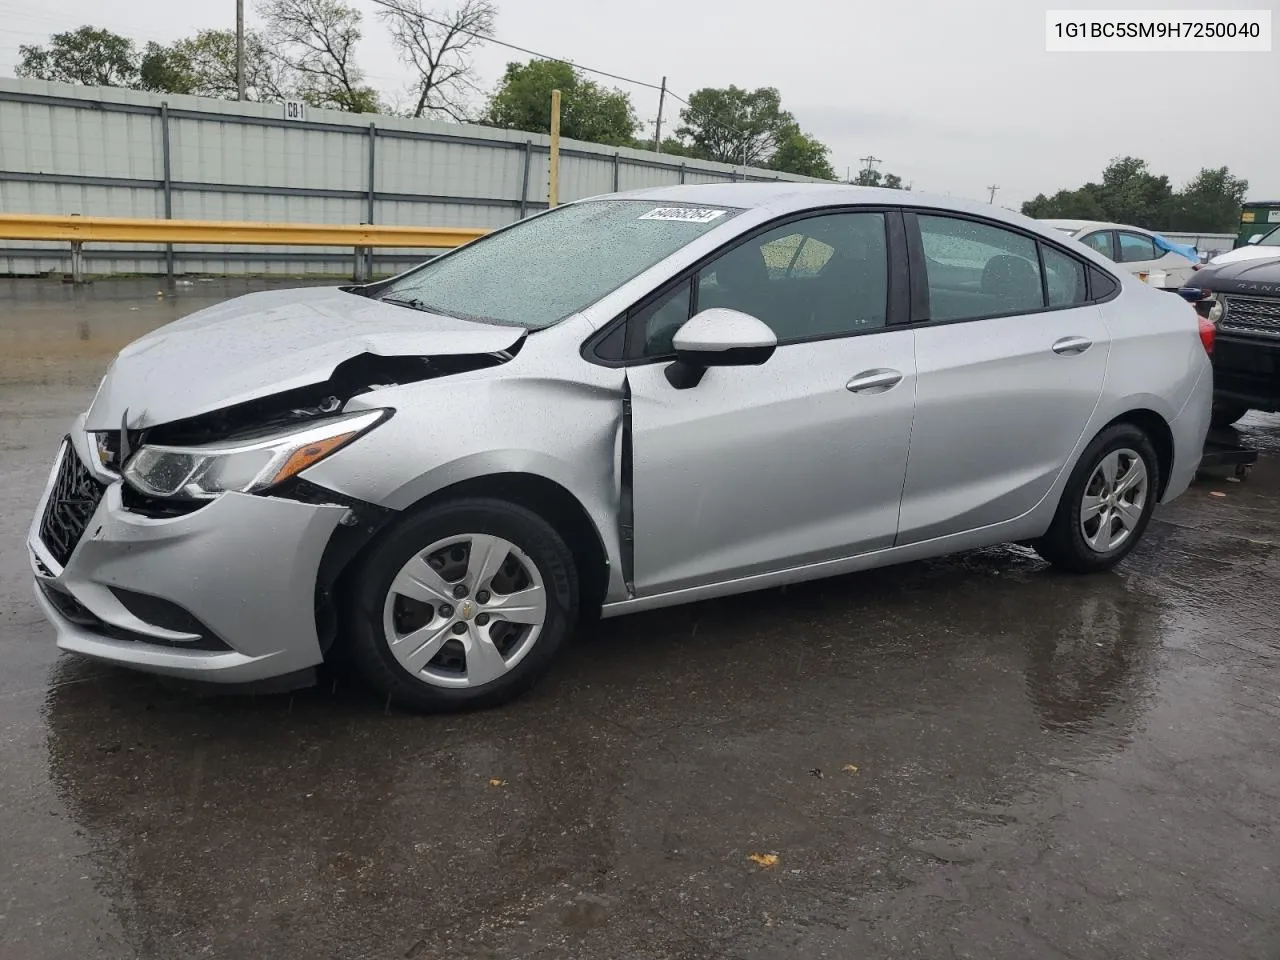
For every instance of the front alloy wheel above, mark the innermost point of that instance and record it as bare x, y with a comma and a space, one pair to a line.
461, 604
464, 611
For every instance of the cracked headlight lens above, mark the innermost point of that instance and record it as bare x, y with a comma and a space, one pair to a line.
246, 466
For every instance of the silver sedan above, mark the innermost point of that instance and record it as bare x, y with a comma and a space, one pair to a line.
625, 403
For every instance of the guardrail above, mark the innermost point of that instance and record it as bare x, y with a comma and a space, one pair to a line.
78, 230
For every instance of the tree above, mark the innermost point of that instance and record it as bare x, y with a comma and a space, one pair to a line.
205, 65
314, 40
733, 125
1082, 204
164, 69
802, 154
90, 55
1131, 193
439, 52
871, 177
587, 110
1210, 202
670, 145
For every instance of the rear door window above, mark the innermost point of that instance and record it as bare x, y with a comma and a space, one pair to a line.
1100, 240
978, 270
1064, 278
1136, 248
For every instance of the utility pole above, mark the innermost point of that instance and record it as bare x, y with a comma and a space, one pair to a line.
868, 165
239, 49
993, 188
657, 128
553, 163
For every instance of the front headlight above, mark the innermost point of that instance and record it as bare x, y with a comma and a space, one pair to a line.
1217, 308
247, 465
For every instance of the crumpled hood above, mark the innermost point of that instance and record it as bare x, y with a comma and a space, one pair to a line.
265, 343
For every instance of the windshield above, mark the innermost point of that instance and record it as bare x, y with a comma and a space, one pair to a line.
1272, 239
540, 271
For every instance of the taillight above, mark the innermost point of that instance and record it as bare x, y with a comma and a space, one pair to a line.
1197, 266
1207, 332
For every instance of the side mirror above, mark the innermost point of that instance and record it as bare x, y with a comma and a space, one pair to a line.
718, 338
1254, 239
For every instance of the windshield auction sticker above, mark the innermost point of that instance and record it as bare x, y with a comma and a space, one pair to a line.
684, 214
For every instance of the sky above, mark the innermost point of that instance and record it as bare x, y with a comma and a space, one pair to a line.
952, 95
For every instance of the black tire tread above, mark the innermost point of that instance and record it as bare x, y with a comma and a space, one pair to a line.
362, 635
1063, 545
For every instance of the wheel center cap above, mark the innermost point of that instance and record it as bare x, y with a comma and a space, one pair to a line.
467, 610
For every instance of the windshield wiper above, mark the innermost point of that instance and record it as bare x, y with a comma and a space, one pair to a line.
412, 303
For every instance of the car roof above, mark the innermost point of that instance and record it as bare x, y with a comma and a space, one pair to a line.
783, 196
1096, 225
1060, 224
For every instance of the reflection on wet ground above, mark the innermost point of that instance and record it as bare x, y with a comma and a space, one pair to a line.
970, 757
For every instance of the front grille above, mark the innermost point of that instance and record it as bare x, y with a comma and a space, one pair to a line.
72, 500
1252, 315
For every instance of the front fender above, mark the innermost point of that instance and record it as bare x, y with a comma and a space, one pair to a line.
461, 428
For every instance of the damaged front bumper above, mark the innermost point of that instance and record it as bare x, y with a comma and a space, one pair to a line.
226, 593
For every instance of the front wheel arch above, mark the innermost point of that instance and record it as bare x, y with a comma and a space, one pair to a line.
554, 504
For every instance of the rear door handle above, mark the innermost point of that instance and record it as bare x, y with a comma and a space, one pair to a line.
1072, 346
874, 381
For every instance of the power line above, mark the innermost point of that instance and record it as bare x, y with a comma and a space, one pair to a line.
661, 88
511, 46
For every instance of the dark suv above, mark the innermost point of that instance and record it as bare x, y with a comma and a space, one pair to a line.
1242, 300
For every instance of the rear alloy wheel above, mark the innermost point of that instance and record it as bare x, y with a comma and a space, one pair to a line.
463, 605
1106, 505
1114, 500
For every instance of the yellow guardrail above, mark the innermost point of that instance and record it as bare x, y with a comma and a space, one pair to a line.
75, 229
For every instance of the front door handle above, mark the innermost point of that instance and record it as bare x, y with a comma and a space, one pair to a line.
874, 381
1072, 346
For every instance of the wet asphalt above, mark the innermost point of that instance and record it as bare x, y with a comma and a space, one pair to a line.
965, 758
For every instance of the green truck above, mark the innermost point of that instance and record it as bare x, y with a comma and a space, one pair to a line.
1257, 218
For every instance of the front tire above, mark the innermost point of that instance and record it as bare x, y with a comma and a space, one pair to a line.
1107, 503
461, 605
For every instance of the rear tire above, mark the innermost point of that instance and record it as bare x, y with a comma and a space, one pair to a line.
1225, 414
1107, 503
441, 613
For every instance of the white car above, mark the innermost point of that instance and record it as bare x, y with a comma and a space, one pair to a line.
1139, 251
1261, 246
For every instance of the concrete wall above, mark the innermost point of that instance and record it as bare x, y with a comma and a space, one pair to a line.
109, 152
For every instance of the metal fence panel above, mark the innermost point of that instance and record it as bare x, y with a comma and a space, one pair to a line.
112, 152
